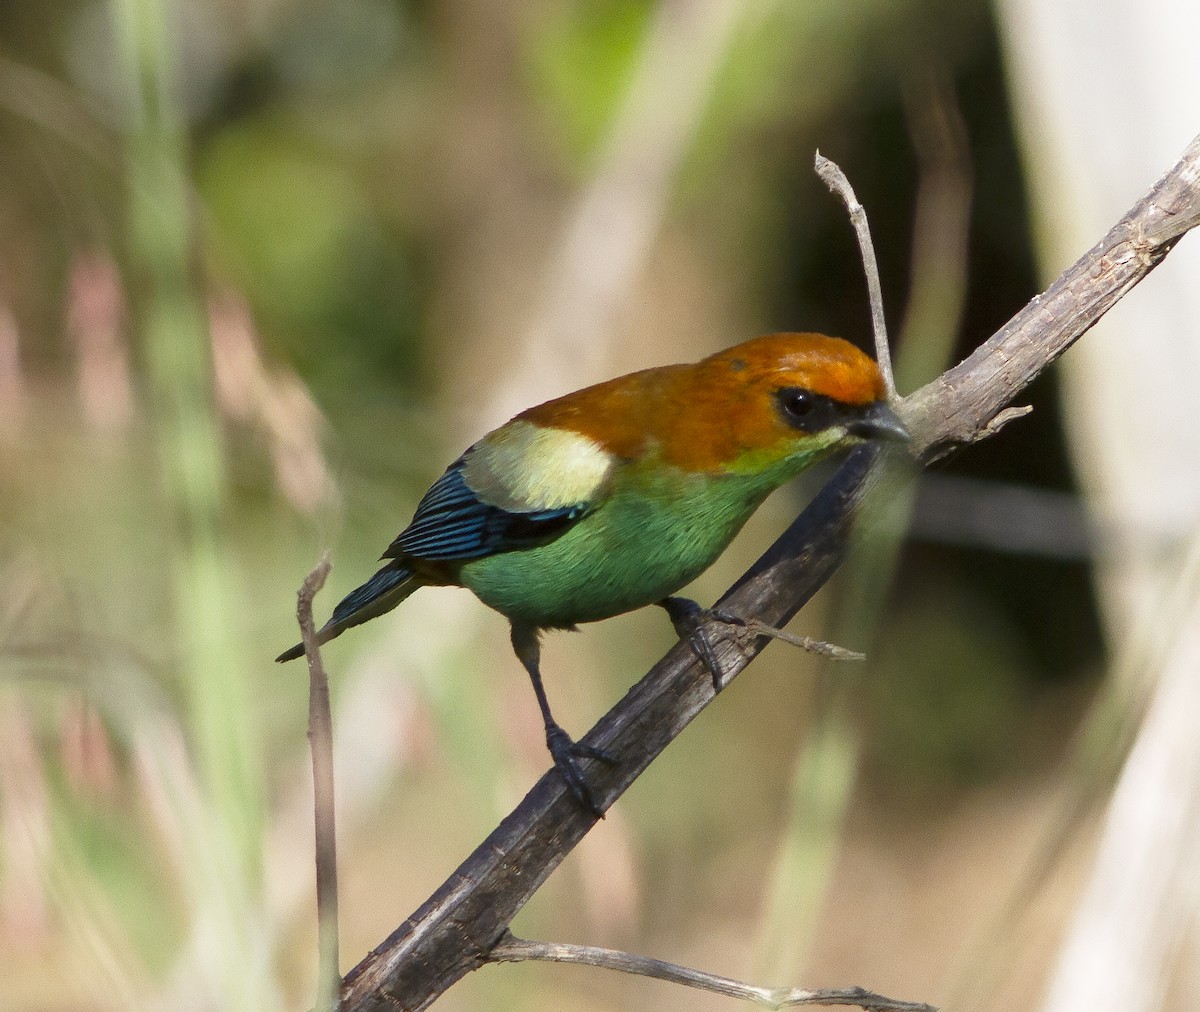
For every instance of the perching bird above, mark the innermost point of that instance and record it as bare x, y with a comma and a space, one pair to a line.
616, 496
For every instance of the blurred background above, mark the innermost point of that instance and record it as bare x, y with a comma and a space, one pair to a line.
269, 265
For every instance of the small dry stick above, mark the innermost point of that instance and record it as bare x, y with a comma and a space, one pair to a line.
836, 180
754, 627
511, 949
320, 740
741, 629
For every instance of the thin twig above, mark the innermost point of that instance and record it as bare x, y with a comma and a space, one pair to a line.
741, 630
511, 949
320, 740
836, 180
813, 646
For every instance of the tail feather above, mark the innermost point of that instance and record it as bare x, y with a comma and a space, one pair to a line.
386, 589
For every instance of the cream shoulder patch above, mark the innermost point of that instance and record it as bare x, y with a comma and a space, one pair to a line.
522, 466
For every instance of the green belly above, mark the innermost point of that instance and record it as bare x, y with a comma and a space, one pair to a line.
642, 545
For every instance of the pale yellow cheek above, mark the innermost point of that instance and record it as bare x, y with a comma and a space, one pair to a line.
523, 466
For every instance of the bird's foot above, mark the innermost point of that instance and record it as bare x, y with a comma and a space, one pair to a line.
566, 752
693, 621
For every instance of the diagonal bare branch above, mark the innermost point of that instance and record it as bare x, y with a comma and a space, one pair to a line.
454, 931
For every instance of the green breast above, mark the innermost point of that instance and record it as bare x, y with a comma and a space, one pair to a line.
658, 529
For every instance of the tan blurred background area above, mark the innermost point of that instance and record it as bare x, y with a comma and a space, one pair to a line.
269, 265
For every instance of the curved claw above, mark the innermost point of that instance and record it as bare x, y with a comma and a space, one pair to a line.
566, 752
690, 620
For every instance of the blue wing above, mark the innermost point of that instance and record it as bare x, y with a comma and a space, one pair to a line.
453, 522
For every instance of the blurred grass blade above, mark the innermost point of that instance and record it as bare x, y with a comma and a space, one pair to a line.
826, 769
177, 350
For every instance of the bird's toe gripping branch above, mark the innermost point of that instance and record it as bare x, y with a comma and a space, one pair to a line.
694, 625
566, 752
691, 622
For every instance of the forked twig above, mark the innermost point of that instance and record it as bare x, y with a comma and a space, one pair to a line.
320, 740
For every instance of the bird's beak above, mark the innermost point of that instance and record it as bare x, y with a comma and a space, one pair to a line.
878, 421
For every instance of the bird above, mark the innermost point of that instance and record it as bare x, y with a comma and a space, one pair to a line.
616, 496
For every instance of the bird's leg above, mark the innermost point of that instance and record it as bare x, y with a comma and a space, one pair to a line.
691, 622
564, 750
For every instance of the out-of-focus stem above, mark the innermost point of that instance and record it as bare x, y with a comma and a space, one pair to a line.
177, 352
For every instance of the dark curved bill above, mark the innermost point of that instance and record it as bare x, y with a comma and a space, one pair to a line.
878, 421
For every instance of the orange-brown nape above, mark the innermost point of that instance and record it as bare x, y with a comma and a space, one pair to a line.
705, 415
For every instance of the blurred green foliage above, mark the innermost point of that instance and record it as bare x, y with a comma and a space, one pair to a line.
294, 231
580, 59
949, 705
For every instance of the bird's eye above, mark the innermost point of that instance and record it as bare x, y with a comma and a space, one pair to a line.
798, 403
806, 411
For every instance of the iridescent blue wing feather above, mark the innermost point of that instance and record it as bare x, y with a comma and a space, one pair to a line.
453, 522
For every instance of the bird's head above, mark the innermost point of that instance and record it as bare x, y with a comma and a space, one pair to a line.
780, 397
779, 401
